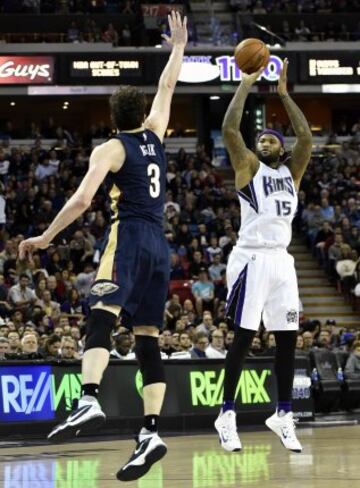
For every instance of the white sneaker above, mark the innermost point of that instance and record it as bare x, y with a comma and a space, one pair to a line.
149, 449
284, 427
225, 425
86, 415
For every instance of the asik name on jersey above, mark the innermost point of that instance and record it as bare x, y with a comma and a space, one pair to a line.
148, 149
272, 185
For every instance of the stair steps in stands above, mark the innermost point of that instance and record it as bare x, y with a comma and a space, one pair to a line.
320, 299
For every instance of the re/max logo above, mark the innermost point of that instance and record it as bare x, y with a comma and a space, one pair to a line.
31, 392
207, 387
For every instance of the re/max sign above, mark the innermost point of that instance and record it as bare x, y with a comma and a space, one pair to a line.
207, 387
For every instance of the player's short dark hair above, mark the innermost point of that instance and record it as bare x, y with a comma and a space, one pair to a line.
128, 107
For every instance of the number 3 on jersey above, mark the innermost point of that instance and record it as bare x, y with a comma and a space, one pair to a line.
283, 208
153, 172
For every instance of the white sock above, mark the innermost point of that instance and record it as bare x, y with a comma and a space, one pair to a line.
89, 398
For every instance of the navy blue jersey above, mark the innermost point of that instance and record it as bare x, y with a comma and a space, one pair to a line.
137, 190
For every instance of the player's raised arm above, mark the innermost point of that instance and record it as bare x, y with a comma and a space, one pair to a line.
244, 161
158, 118
104, 158
301, 152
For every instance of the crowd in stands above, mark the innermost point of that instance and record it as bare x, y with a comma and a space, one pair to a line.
329, 211
69, 6
295, 6
43, 303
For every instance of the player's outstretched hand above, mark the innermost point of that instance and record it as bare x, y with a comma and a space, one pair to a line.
27, 247
178, 30
249, 80
282, 83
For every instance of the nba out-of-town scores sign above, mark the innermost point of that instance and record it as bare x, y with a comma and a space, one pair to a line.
26, 70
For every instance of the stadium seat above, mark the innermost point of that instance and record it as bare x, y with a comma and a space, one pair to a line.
327, 392
350, 397
181, 288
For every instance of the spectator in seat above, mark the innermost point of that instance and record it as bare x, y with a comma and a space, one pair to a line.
167, 346
21, 296
52, 347
256, 348
176, 270
68, 349
336, 252
122, 347
221, 289
324, 340
4, 164
188, 306
216, 268
126, 35
18, 319
207, 324
327, 211
322, 236
111, 35
183, 236
44, 170
14, 342
201, 343
73, 33
352, 368
216, 348
4, 347
30, 347
50, 307
81, 250
197, 264
299, 343
302, 32
4, 328
74, 307
213, 250
270, 345
229, 339
203, 291
184, 342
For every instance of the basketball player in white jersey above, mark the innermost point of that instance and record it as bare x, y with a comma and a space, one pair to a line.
261, 275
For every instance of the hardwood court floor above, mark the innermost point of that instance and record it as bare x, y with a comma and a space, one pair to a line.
330, 460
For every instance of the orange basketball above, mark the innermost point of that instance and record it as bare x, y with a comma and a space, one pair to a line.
251, 54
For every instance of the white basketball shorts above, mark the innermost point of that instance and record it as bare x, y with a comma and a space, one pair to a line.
262, 284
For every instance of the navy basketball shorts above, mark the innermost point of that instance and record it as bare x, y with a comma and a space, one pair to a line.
134, 272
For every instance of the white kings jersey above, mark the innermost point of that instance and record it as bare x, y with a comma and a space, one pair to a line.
268, 206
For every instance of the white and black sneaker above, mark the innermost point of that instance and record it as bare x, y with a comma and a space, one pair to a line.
149, 449
225, 425
284, 427
86, 415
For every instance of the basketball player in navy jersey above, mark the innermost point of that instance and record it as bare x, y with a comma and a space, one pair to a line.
133, 272
261, 275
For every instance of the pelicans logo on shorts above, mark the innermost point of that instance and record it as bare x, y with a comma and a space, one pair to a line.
103, 288
291, 316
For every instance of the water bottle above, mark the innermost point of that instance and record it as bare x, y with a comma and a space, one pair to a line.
315, 376
340, 375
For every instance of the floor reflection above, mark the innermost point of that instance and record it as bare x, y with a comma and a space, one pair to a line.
206, 469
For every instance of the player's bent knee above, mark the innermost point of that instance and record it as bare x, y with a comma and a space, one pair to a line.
98, 329
148, 354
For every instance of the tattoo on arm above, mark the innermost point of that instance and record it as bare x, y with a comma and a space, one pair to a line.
297, 118
234, 113
301, 152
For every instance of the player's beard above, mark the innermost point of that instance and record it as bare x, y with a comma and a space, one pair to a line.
268, 159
